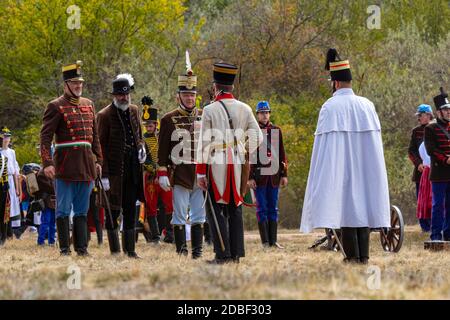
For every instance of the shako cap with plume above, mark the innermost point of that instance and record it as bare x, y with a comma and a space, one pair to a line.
339, 69
188, 81
149, 112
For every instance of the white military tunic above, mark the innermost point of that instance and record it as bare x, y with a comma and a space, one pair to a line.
13, 169
347, 183
225, 165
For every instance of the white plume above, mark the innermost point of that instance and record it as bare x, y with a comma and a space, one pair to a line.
188, 62
127, 76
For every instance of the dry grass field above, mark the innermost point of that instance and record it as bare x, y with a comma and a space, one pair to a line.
31, 272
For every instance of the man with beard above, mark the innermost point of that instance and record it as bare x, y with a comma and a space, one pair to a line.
437, 144
123, 152
347, 185
176, 158
424, 115
77, 159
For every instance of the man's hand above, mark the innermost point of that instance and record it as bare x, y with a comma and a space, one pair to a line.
49, 172
202, 183
99, 169
283, 182
420, 167
251, 184
164, 183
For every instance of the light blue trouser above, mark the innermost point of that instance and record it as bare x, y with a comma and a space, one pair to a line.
184, 199
72, 195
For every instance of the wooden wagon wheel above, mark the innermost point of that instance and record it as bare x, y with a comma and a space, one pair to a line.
392, 238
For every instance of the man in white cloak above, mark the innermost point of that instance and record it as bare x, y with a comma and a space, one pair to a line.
347, 185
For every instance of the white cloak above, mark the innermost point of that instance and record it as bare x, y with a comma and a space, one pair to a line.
347, 183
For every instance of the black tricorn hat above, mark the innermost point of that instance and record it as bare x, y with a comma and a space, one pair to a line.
123, 84
339, 69
441, 100
224, 73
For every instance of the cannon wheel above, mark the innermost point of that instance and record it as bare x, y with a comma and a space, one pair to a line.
392, 238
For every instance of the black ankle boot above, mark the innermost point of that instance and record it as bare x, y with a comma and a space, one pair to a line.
264, 233
113, 241
197, 240
63, 227
80, 233
130, 243
154, 229
273, 227
180, 239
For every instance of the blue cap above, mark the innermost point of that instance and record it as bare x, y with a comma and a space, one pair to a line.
262, 106
424, 108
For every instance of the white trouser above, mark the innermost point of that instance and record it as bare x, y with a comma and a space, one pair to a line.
185, 199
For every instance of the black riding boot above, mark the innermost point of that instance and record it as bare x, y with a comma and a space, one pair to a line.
180, 239
264, 233
147, 234
363, 243
124, 246
207, 232
129, 237
350, 244
63, 227
113, 241
273, 227
3, 228
9, 231
99, 231
169, 229
154, 229
80, 233
197, 240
